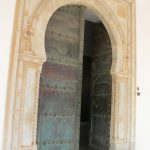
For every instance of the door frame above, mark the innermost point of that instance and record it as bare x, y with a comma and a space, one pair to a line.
28, 55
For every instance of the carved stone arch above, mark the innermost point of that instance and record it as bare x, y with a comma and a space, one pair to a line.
28, 55
43, 13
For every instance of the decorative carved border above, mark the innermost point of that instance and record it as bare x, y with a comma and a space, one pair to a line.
28, 55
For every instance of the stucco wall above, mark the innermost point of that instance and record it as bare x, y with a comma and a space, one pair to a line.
143, 62
6, 24
143, 75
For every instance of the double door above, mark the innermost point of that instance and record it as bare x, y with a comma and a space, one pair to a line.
61, 84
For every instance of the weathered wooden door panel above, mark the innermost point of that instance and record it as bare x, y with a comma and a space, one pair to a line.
59, 81
101, 90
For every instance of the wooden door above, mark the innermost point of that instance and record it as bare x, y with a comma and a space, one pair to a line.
57, 118
100, 89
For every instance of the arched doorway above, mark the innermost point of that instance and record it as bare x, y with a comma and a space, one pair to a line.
75, 84
28, 55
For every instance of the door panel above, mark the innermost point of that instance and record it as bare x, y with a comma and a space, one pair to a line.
101, 90
59, 81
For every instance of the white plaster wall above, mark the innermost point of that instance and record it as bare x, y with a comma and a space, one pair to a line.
143, 66
143, 75
6, 23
